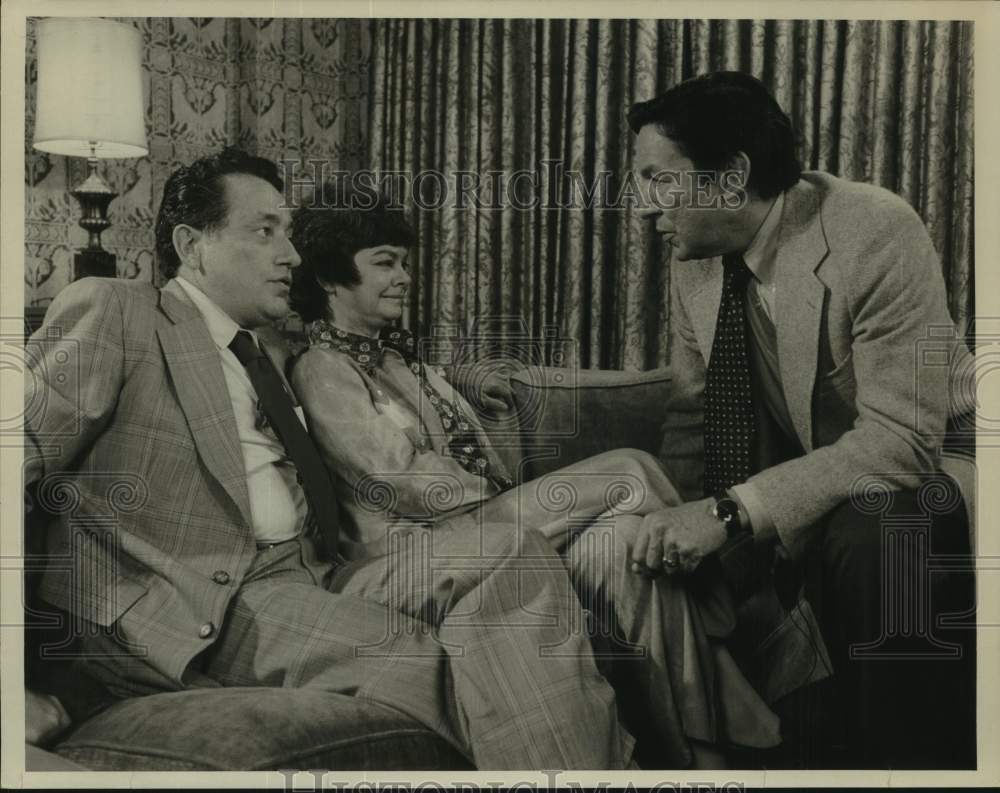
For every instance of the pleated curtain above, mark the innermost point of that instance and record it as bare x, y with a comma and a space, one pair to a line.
883, 102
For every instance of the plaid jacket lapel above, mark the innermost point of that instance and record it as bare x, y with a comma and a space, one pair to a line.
196, 372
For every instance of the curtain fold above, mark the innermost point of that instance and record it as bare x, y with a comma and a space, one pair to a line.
503, 104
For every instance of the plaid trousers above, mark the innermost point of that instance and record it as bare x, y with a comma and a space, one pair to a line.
470, 633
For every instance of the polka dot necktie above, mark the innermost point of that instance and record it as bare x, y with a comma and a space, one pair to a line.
729, 415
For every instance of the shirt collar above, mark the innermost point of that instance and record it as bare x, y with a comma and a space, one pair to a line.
221, 327
366, 351
760, 256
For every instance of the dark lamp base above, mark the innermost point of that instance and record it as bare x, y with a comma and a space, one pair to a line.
97, 262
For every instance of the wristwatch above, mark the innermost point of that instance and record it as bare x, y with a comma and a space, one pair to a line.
727, 510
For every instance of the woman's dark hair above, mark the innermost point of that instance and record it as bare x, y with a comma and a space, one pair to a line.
195, 195
328, 235
714, 116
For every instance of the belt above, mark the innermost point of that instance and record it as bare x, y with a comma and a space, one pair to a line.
264, 546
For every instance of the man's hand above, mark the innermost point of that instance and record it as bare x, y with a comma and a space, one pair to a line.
44, 717
676, 539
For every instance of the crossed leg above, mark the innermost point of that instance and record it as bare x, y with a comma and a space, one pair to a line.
677, 684
661, 640
561, 504
450, 628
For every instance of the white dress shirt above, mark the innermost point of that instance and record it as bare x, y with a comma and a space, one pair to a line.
760, 256
762, 289
277, 501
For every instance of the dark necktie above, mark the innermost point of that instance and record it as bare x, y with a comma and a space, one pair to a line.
729, 416
276, 403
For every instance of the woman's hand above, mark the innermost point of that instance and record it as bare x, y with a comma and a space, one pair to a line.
676, 539
496, 394
44, 717
486, 386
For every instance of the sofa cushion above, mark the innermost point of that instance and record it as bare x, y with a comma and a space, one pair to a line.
962, 468
39, 760
570, 414
250, 729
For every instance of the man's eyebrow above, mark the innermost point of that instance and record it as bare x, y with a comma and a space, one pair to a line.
272, 217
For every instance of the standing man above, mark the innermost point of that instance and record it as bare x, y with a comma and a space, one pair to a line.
211, 575
800, 301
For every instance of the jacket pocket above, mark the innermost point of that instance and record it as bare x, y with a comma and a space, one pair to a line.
121, 596
838, 378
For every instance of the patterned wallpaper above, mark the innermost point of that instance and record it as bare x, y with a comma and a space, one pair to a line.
276, 87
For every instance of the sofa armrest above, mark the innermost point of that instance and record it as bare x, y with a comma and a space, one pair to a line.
567, 414
962, 468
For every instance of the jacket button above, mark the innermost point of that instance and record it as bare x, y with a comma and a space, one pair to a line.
206, 630
220, 577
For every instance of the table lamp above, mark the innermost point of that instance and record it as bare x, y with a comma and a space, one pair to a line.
90, 104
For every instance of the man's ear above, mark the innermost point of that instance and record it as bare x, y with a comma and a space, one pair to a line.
185, 239
738, 170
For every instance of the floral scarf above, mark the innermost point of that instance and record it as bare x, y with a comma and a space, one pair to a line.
463, 444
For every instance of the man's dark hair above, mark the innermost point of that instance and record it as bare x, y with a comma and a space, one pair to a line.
195, 195
716, 115
328, 235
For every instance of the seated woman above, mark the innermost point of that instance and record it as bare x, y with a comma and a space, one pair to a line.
410, 458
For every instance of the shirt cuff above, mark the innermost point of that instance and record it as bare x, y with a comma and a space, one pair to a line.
750, 502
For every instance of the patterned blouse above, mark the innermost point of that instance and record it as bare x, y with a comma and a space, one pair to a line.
368, 353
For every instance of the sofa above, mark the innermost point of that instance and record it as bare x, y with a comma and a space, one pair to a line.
559, 416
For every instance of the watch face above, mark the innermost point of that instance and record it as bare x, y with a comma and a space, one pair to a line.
727, 510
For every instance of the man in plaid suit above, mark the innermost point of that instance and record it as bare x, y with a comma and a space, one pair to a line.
207, 575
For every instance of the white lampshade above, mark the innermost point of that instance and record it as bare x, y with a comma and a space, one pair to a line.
89, 88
